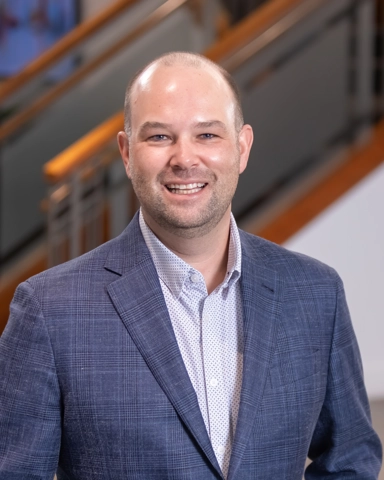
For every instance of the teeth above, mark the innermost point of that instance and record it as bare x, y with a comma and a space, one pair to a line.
185, 189
185, 192
187, 186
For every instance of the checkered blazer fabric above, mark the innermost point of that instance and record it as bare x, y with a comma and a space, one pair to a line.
93, 385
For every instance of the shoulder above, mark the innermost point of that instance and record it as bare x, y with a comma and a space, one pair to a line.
59, 279
289, 264
86, 277
62, 293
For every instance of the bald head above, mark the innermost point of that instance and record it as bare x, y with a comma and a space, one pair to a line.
187, 60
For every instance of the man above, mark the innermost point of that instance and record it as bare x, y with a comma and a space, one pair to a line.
185, 348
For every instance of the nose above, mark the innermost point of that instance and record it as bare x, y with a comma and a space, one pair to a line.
184, 155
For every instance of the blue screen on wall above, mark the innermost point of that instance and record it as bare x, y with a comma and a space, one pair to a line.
28, 27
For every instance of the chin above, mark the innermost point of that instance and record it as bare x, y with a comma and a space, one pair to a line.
191, 227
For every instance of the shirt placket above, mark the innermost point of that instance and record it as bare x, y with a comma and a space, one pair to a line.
214, 371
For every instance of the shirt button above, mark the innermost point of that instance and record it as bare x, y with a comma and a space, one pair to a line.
195, 278
220, 449
213, 382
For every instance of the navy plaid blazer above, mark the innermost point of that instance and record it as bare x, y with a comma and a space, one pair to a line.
93, 384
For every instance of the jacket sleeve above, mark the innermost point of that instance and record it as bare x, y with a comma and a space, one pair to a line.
30, 413
344, 444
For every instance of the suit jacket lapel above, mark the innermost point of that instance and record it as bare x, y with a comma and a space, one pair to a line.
139, 301
261, 293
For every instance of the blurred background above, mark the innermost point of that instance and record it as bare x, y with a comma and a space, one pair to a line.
311, 76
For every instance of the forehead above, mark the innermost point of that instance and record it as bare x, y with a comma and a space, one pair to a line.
178, 87
157, 71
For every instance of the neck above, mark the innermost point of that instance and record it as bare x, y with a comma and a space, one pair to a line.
208, 253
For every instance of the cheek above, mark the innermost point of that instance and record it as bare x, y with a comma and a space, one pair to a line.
137, 166
147, 161
215, 158
226, 161
144, 174
221, 157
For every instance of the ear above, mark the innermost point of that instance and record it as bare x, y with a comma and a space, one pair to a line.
123, 142
245, 144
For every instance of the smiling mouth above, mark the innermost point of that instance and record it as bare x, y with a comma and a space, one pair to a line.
185, 189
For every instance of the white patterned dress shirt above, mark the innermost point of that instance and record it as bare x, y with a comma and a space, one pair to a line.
209, 333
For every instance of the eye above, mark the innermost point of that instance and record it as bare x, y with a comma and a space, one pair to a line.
158, 138
207, 136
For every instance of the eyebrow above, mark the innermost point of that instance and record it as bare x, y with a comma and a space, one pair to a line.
210, 124
150, 125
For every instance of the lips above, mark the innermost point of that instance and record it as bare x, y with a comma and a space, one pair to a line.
185, 188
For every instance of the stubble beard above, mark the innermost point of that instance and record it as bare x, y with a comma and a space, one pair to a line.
171, 219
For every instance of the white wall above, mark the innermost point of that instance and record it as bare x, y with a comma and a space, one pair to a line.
349, 236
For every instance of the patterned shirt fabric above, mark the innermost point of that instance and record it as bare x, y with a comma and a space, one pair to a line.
209, 333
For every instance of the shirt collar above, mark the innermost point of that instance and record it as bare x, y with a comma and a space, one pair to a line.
173, 271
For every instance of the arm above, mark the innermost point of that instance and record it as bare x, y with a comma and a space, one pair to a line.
30, 414
344, 445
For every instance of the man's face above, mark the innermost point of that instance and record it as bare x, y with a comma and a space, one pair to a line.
184, 155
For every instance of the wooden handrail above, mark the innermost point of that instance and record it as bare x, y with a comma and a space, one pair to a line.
156, 17
360, 163
72, 157
63, 47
